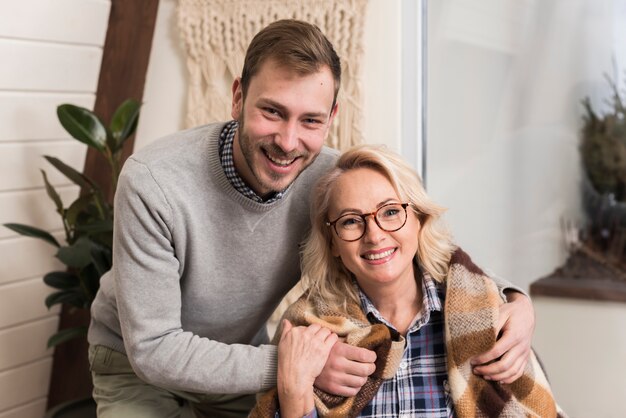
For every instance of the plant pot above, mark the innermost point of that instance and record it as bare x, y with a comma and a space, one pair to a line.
80, 408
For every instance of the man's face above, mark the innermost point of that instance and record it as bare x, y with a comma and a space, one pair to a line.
283, 123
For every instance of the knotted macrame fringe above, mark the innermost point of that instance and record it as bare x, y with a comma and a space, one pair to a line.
216, 34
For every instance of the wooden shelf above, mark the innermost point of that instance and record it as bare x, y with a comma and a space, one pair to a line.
589, 289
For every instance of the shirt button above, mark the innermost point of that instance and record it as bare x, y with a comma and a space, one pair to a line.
403, 365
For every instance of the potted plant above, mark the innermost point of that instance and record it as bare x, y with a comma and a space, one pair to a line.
603, 155
596, 264
87, 223
88, 220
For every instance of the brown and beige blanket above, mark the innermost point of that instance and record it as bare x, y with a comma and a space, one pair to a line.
356, 330
471, 316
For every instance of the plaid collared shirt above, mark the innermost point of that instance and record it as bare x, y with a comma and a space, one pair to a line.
227, 137
420, 386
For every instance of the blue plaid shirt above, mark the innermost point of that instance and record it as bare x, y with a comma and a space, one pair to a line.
420, 386
227, 137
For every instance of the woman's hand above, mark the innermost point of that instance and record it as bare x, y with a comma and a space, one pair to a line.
302, 353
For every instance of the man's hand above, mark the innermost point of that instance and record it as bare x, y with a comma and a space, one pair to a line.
510, 353
346, 369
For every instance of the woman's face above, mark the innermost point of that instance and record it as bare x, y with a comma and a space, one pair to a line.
378, 258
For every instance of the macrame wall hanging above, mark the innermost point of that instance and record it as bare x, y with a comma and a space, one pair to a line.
216, 34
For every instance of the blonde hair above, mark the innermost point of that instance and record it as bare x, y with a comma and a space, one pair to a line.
325, 275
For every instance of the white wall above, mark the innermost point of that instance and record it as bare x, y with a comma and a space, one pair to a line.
583, 345
164, 97
51, 54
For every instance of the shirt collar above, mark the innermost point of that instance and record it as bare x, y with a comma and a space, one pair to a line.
431, 301
227, 137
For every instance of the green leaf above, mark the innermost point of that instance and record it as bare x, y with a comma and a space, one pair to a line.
77, 207
72, 174
101, 257
95, 210
83, 125
52, 193
111, 142
66, 335
124, 122
90, 282
105, 225
61, 280
77, 255
69, 296
31, 231
103, 238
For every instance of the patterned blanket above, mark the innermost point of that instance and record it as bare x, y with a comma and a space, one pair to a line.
471, 317
357, 330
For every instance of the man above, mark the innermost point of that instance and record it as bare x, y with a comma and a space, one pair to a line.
207, 227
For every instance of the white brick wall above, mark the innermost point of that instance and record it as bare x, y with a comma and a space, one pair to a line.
50, 53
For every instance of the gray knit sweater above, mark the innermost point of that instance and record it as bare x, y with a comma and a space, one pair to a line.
198, 268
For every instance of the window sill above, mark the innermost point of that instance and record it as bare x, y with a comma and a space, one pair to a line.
589, 289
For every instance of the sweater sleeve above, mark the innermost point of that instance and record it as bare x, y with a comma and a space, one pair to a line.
504, 285
148, 294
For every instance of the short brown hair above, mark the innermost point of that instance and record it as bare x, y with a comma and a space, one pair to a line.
294, 44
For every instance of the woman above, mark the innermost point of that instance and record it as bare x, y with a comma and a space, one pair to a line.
380, 272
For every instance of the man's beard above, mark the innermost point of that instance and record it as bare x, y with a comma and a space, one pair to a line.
249, 150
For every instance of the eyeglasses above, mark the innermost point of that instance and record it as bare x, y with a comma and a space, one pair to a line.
352, 226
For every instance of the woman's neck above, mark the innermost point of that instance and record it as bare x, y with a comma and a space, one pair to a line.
398, 303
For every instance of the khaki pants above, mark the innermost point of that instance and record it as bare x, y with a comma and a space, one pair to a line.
120, 393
